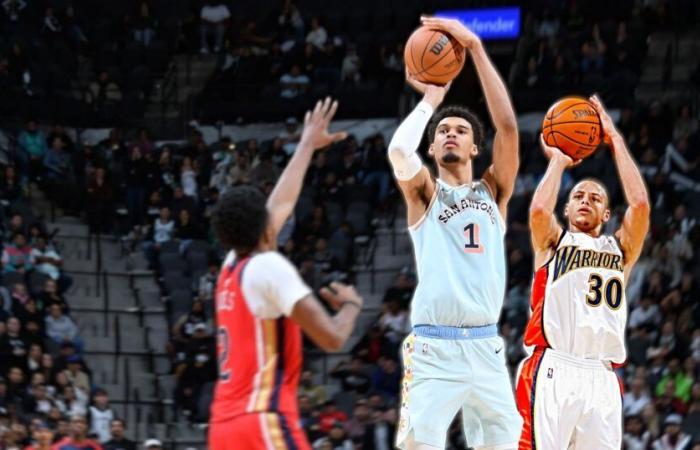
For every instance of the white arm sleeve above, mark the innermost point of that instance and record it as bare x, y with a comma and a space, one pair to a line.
402, 148
272, 286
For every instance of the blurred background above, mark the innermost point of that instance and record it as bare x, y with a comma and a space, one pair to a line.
121, 122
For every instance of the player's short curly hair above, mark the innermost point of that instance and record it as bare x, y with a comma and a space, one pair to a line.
239, 218
457, 111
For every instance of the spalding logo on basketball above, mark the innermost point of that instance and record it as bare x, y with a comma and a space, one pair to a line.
572, 125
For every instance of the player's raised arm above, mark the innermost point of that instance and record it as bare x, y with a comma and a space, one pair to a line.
501, 174
544, 227
315, 136
412, 177
636, 221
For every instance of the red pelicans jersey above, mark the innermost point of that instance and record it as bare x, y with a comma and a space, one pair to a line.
259, 348
578, 299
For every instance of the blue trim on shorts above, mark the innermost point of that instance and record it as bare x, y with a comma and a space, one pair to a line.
455, 333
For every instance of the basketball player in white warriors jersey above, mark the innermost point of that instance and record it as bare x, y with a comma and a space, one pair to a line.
454, 359
567, 393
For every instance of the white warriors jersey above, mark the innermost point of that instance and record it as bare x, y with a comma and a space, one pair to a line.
578, 299
460, 258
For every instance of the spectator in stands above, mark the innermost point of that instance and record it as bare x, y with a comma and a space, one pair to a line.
99, 202
636, 437
103, 92
386, 379
13, 9
214, 15
17, 257
71, 401
52, 26
330, 416
49, 262
60, 176
207, 282
375, 166
101, 416
315, 392
78, 377
50, 296
187, 230
32, 148
337, 439
10, 188
136, 178
77, 438
673, 438
13, 349
357, 425
318, 34
350, 69
188, 178
294, 83
153, 444
42, 437
353, 375
117, 440
143, 26
60, 328
162, 231
199, 371
636, 399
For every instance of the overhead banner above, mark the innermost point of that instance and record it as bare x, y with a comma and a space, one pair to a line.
488, 23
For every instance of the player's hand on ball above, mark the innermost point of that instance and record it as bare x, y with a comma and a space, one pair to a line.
606, 122
554, 153
466, 37
315, 133
432, 93
337, 294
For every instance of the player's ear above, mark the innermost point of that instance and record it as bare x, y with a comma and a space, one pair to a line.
431, 149
475, 151
606, 215
566, 209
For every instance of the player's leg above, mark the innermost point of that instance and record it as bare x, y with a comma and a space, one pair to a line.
489, 415
432, 390
547, 395
601, 424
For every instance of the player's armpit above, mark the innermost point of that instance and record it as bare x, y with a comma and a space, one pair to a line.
635, 226
417, 192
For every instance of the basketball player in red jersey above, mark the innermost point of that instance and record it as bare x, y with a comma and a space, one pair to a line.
262, 305
567, 393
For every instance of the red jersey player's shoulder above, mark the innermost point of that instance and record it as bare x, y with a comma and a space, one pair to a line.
272, 285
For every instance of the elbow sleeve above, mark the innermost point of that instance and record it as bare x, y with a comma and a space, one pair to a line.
404, 144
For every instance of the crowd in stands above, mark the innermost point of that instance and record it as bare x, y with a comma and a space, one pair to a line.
159, 198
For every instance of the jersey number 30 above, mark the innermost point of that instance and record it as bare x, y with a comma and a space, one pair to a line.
611, 292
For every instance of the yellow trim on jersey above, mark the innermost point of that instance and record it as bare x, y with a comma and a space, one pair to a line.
267, 378
275, 430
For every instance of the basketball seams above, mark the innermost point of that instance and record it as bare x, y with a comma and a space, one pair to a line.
447, 52
554, 116
588, 146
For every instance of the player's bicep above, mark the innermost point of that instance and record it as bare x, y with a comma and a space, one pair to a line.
544, 229
315, 322
635, 226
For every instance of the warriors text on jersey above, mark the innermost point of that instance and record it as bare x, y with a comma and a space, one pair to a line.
578, 299
460, 258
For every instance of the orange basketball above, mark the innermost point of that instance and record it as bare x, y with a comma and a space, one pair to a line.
433, 56
572, 124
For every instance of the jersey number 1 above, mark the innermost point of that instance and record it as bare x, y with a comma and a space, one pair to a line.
471, 233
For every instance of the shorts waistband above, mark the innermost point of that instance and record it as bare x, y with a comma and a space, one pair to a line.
578, 361
455, 333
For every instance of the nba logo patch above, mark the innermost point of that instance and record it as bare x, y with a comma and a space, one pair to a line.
425, 348
550, 373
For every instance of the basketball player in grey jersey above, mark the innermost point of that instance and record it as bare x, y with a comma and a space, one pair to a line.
453, 359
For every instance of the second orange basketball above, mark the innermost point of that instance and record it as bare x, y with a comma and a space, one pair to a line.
572, 124
432, 56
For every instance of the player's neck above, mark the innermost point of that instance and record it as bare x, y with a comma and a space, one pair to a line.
456, 175
595, 232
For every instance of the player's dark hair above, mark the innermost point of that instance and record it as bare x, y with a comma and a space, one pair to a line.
457, 111
239, 218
